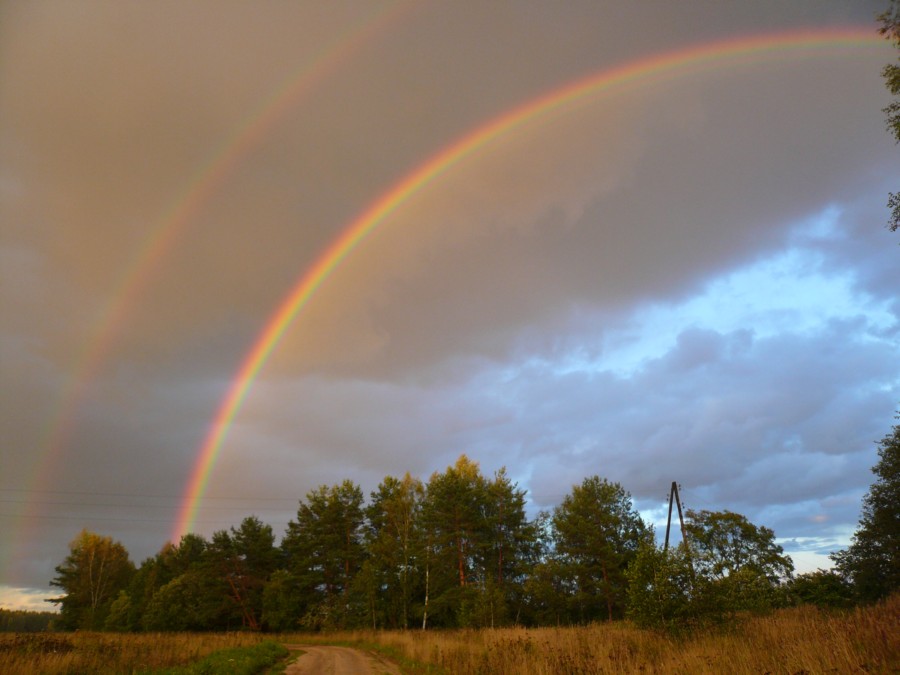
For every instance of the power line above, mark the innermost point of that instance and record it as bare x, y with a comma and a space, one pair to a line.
132, 506
150, 496
166, 521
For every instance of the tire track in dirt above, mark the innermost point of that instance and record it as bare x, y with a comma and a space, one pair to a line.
331, 660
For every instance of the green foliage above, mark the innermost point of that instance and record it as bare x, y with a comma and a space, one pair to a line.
724, 542
893, 204
823, 588
282, 602
476, 548
91, 576
119, 617
394, 548
728, 565
872, 562
597, 533
324, 551
193, 601
514, 548
24, 621
199, 585
739, 564
890, 28
171, 562
460, 552
453, 517
244, 559
546, 594
660, 589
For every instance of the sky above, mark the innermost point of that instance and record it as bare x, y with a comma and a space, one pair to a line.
639, 240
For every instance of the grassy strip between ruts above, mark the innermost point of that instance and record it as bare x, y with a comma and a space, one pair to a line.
237, 661
280, 667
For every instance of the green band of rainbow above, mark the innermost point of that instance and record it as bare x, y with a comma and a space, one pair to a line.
643, 71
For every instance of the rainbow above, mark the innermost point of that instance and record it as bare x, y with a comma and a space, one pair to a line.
640, 72
203, 184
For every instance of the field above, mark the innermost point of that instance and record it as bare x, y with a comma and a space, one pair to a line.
799, 640
57, 653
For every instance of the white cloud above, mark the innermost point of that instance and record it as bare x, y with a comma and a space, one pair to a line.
30, 599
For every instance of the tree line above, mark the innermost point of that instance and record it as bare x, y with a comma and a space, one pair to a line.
25, 621
460, 551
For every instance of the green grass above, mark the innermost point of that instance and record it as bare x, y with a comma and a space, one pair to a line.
237, 661
281, 666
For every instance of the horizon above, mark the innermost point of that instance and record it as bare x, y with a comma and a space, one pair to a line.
247, 253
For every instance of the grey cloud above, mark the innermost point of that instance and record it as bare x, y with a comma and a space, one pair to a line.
474, 319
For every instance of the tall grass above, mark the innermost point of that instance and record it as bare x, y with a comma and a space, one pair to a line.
798, 640
68, 653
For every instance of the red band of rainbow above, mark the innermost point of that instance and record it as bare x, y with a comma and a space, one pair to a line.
642, 71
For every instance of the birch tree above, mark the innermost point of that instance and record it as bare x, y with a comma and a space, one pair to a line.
91, 576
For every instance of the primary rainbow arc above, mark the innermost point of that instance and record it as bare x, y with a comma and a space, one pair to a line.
642, 71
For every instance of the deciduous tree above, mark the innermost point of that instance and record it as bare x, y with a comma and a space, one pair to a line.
824, 588
194, 601
737, 564
392, 539
890, 28
726, 565
724, 542
172, 561
91, 576
663, 589
282, 602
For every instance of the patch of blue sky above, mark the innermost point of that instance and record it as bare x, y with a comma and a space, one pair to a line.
794, 291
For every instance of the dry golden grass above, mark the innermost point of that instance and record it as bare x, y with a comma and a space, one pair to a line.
800, 640
69, 653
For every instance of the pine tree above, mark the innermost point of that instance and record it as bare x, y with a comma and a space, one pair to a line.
245, 558
513, 550
324, 549
456, 531
597, 532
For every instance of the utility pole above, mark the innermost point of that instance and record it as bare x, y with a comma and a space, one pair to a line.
673, 496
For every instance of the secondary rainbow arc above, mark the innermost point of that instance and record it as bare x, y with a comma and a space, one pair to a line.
162, 236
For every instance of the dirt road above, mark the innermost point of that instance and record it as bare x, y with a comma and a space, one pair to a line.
326, 660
